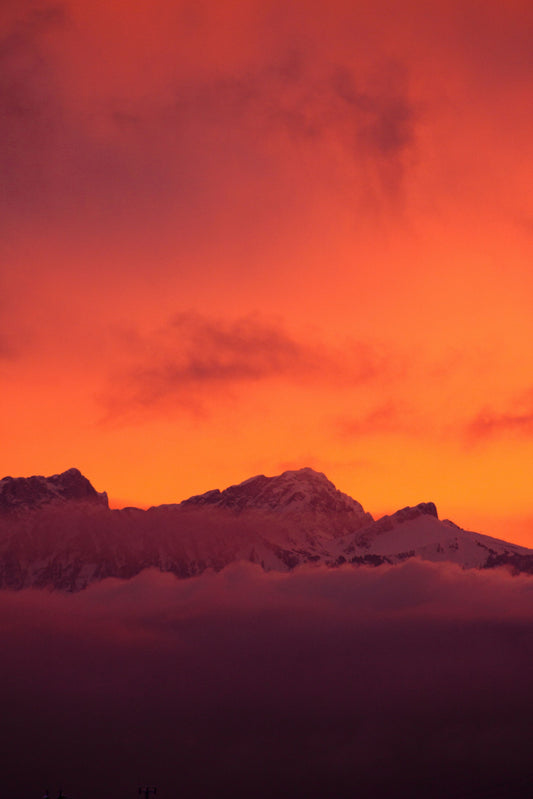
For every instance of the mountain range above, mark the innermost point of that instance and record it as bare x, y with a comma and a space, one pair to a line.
59, 533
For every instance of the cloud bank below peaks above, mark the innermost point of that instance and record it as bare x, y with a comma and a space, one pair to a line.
402, 681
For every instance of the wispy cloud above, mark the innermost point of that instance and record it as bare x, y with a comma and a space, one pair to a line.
489, 424
194, 355
514, 419
374, 121
389, 417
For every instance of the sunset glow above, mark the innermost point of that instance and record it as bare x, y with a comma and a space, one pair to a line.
242, 237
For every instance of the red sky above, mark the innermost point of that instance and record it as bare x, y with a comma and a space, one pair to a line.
247, 236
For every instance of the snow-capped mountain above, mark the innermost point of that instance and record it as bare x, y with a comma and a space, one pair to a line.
418, 532
59, 533
293, 491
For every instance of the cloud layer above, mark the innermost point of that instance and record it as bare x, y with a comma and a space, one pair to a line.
409, 681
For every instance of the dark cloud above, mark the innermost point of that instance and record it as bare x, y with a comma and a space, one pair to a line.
73, 146
194, 356
373, 119
399, 682
384, 116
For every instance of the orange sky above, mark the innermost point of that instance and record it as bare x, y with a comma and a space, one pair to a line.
246, 236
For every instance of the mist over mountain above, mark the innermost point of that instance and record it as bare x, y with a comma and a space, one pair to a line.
58, 532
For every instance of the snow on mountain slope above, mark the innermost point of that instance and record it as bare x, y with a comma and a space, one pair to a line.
58, 532
418, 532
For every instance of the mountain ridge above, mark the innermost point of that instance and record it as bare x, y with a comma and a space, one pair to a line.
29, 493
59, 533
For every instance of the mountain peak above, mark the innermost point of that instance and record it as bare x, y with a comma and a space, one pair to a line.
293, 491
403, 515
29, 493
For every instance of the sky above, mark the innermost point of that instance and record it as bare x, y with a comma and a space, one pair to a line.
409, 681
242, 237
